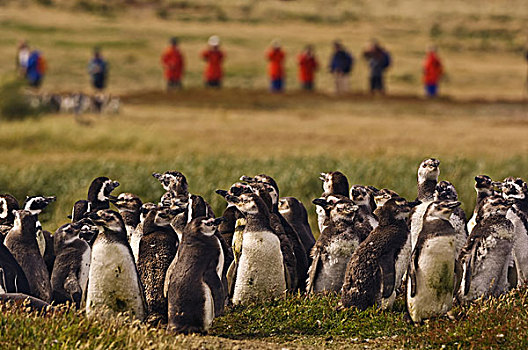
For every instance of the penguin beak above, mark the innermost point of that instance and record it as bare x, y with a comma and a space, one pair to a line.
219, 220
223, 193
51, 199
320, 202
322, 176
112, 199
247, 178
115, 184
69, 217
156, 175
414, 204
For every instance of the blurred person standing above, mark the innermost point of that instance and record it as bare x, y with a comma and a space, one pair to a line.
308, 65
276, 58
341, 65
526, 56
22, 58
173, 64
214, 57
98, 70
432, 72
379, 60
36, 68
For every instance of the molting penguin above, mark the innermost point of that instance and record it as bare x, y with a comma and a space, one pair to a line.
22, 243
376, 268
295, 214
488, 252
194, 285
431, 277
135, 239
362, 197
445, 191
383, 196
334, 183
157, 250
100, 193
342, 235
428, 173
129, 206
113, 282
484, 186
69, 278
8, 204
261, 271
35, 205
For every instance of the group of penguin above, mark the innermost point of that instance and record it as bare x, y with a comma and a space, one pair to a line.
174, 264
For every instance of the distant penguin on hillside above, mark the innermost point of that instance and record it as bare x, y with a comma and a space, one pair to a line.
113, 283
22, 243
484, 186
342, 235
100, 193
129, 206
431, 278
334, 183
157, 249
194, 285
8, 204
376, 268
69, 279
428, 173
487, 255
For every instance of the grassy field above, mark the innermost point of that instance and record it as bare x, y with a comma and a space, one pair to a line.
215, 136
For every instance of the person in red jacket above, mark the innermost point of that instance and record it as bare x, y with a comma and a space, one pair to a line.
173, 63
276, 58
432, 72
307, 66
214, 57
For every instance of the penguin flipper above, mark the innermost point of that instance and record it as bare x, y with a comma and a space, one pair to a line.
72, 287
231, 276
411, 273
313, 270
388, 274
217, 289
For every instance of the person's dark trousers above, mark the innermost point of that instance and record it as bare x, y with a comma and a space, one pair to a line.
431, 90
213, 83
277, 85
308, 85
376, 83
98, 81
174, 84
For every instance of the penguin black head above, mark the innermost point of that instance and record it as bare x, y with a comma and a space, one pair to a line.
514, 188
292, 205
268, 180
172, 181
87, 230
128, 202
341, 208
236, 189
445, 191
164, 215
360, 195
248, 203
484, 184
202, 228
441, 210
334, 182
8, 203
145, 209
80, 208
35, 204
394, 209
109, 220
266, 192
428, 170
101, 190
383, 196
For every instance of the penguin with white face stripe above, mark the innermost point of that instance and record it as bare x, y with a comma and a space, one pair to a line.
69, 278
484, 186
194, 285
431, 277
8, 204
113, 283
100, 193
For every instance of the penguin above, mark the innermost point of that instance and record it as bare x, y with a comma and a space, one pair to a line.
8, 204
194, 285
383, 196
376, 268
12, 277
129, 206
431, 278
516, 191
294, 212
487, 255
35, 205
261, 270
445, 191
484, 186
157, 250
22, 243
79, 210
69, 278
334, 183
113, 282
361, 196
428, 173
100, 193
342, 235
135, 239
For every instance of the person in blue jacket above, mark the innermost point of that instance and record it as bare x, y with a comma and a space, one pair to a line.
341, 65
98, 69
36, 68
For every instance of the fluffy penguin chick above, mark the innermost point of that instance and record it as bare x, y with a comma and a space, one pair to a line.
22, 243
488, 253
194, 284
484, 186
129, 206
375, 270
157, 249
260, 273
342, 235
113, 282
334, 183
361, 197
431, 276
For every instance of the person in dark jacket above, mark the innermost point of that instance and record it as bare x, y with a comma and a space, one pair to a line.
341, 65
379, 60
98, 69
36, 68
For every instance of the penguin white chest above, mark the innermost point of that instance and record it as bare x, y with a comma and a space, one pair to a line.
113, 281
435, 279
84, 271
520, 247
260, 272
208, 307
417, 219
